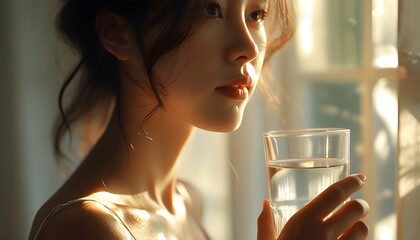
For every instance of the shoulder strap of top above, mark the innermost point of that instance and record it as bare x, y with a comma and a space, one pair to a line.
61, 206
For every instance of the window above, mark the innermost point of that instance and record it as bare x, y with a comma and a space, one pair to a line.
339, 71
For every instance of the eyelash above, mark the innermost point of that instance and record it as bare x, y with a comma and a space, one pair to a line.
262, 14
215, 10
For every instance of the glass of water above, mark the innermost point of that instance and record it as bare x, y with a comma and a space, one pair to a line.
301, 164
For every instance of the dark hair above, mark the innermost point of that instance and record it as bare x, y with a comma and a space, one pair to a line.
97, 69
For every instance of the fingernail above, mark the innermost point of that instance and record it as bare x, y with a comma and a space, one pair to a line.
364, 204
266, 205
361, 177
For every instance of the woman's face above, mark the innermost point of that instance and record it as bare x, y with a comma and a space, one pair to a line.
211, 77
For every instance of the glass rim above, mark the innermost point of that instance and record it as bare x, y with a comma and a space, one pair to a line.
306, 132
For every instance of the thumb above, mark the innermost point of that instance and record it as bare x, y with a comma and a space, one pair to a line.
265, 223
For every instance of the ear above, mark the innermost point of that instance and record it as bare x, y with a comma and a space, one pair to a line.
114, 33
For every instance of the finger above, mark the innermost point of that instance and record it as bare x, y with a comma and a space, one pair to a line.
333, 196
347, 215
265, 223
358, 231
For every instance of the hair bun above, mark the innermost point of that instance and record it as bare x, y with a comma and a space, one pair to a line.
76, 21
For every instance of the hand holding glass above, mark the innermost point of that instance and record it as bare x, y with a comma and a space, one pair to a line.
301, 164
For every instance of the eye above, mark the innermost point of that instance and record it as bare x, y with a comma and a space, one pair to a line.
257, 16
213, 10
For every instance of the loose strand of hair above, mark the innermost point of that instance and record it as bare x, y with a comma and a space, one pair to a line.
64, 123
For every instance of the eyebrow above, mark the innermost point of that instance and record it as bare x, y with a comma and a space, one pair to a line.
266, 1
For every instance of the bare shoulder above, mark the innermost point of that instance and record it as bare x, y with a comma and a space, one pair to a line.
84, 220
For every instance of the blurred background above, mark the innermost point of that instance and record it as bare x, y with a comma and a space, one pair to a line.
352, 64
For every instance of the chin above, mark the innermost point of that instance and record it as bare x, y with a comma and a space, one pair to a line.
219, 118
221, 125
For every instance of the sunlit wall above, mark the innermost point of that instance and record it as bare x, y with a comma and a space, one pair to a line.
409, 121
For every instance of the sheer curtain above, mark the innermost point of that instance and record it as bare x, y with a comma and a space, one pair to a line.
409, 121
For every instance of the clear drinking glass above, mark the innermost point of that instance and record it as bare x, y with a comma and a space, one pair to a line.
301, 164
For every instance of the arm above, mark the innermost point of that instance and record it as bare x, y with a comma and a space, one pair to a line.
310, 223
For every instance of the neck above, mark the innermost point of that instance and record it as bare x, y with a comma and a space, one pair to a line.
141, 157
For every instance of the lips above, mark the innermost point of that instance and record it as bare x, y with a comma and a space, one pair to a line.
237, 89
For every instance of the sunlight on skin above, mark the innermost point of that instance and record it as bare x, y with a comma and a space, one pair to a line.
250, 70
106, 196
144, 214
141, 199
161, 236
164, 214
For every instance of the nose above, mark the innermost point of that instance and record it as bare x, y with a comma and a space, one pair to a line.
242, 47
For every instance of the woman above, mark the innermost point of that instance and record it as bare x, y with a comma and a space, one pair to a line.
161, 68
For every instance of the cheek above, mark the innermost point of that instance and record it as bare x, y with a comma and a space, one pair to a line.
260, 38
187, 63
180, 74
186, 73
